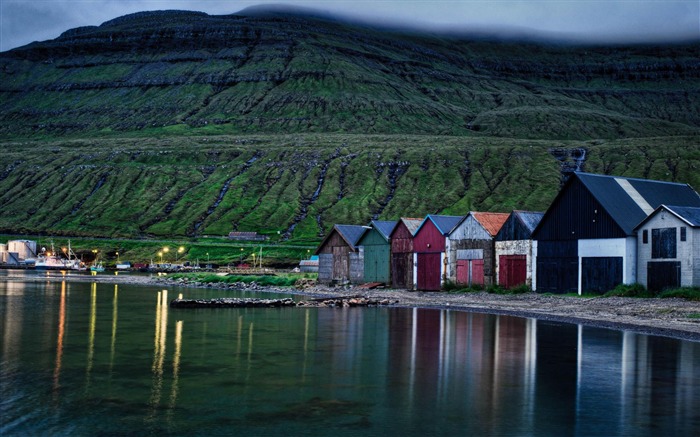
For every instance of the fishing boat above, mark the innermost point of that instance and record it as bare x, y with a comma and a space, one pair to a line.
97, 267
50, 260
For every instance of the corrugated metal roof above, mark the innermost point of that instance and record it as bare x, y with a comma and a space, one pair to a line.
491, 221
351, 233
627, 206
412, 224
529, 218
686, 213
384, 227
444, 223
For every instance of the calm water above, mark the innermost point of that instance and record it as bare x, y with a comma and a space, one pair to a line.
98, 359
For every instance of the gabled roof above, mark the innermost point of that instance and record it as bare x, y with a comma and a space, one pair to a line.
412, 224
688, 214
530, 219
491, 221
384, 227
445, 224
351, 234
628, 201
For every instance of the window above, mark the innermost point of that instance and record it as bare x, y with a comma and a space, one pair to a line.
683, 231
645, 236
663, 243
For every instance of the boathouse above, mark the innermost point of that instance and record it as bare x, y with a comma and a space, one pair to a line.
339, 257
429, 247
668, 248
586, 242
471, 248
377, 251
402, 263
514, 249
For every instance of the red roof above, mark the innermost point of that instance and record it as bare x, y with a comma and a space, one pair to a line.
491, 221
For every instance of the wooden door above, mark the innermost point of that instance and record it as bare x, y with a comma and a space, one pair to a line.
402, 270
429, 271
470, 271
341, 267
663, 274
600, 274
512, 270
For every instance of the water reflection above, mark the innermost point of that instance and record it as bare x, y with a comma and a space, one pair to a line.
390, 370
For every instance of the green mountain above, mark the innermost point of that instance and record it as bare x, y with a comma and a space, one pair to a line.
181, 123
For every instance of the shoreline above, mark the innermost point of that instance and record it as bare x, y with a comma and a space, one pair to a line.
670, 317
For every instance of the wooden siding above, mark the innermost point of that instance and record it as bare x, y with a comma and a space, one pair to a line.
402, 270
334, 260
576, 214
557, 266
429, 239
401, 239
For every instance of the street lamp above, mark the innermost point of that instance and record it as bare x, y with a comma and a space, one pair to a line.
207, 257
117, 257
253, 259
160, 254
240, 261
166, 249
180, 250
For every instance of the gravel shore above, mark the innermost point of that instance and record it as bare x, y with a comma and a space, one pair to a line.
676, 318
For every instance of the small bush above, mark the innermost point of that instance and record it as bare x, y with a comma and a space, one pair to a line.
690, 293
454, 287
520, 289
629, 290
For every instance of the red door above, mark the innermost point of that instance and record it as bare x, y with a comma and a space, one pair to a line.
477, 272
429, 271
470, 271
463, 271
512, 270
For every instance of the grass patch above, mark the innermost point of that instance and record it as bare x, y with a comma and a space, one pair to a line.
629, 290
287, 280
690, 293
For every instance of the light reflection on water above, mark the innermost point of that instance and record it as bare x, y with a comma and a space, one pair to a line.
81, 358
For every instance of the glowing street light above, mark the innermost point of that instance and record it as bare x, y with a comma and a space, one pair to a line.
180, 250
166, 249
207, 257
160, 254
117, 257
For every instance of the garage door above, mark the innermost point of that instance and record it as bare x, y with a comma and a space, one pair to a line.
600, 274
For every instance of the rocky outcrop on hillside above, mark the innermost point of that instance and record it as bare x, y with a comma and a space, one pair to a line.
274, 72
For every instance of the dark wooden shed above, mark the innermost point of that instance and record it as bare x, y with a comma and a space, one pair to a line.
429, 244
514, 249
340, 259
402, 252
377, 251
585, 241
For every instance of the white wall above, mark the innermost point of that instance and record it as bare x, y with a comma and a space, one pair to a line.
687, 252
609, 247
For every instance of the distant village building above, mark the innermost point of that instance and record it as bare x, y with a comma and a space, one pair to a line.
668, 248
247, 236
340, 260
429, 247
377, 251
514, 249
586, 242
402, 262
471, 248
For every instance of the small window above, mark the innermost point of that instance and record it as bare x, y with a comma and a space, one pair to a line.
645, 236
683, 231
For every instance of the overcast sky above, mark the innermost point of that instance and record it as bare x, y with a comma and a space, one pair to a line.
24, 21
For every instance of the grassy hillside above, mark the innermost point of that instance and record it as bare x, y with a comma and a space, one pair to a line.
190, 73
298, 186
181, 124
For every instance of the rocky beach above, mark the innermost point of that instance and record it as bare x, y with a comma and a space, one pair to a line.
671, 317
